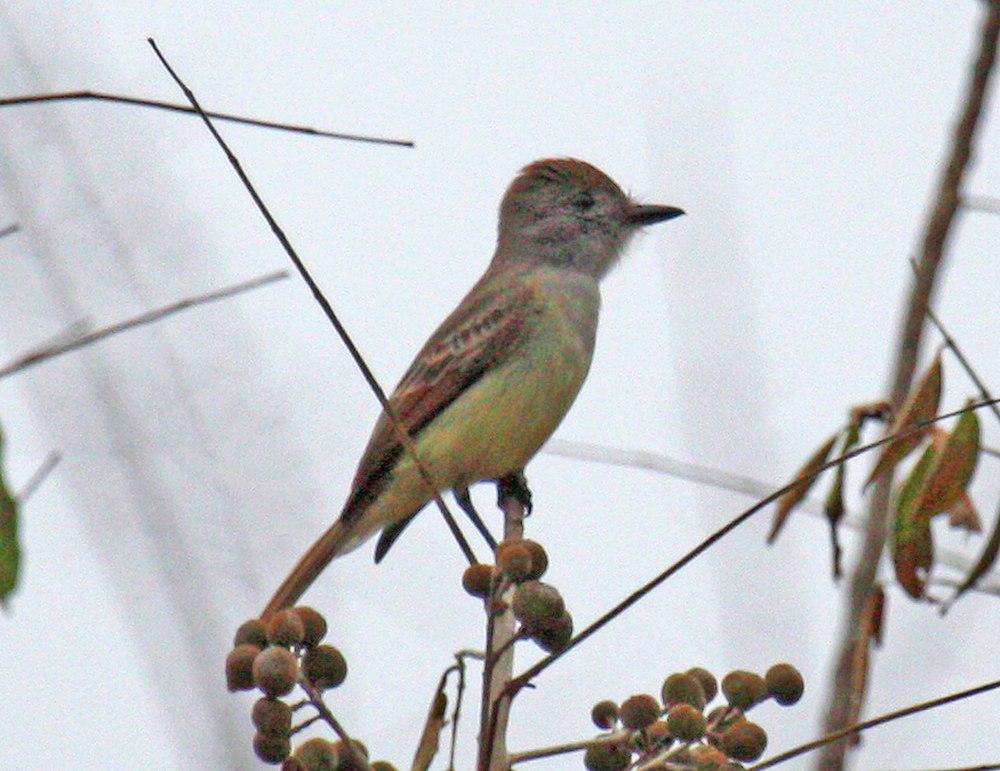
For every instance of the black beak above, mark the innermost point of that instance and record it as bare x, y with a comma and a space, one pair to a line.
649, 214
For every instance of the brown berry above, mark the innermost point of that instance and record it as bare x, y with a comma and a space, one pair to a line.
686, 722
556, 637
313, 623
683, 688
271, 749
784, 683
239, 667
477, 580
722, 717
604, 714
708, 682
537, 605
744, 689
514, 559
607, 756
708, 758
347, 762
275, 671
272, 716
743, 741
382, 765
639, 711
285, 628
539, 559
292, 764
253, 632
318, 755
659, 734
324, 666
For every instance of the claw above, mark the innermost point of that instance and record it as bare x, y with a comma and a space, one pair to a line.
514, 486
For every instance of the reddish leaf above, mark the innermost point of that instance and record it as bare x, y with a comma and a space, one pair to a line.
920, 406
794, 497
963, 515
952, 470
912, 547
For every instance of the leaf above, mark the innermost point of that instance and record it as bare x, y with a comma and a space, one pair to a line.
962, 515
430, 738
952, 470
834, 506
795, 495
983, 565
877, 614
912, 545
10, 549
920, 407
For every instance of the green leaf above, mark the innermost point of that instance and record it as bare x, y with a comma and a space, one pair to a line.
913, 550
953, 468
808, 476
10, 549
920, 407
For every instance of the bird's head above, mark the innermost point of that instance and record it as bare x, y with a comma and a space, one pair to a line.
568, 213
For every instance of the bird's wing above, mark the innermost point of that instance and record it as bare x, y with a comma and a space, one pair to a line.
482, 332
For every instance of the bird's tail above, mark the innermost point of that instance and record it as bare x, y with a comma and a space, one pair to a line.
334, 542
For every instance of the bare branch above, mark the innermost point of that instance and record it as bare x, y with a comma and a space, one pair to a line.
279, 233
934, 242
66, 96
525, 677
983, 203
357, 758
44, 354
9, 230
564, 749
889, 716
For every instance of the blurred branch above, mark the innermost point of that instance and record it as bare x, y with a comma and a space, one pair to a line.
564, 749
456, 713
9, 230
317, 293
525, 677
44, 354
356, 758
723, 480
886, 718
983, 203
934, 242
36, 479
66, 96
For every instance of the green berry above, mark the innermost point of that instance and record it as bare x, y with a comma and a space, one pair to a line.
683, 688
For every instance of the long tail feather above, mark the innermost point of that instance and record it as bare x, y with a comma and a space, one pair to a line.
335, 541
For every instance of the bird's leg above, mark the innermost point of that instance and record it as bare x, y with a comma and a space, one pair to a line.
514, 486
465, 504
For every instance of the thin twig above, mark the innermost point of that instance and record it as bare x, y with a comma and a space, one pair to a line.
521, 680
889, 716
933, 245
723, 480
456, 713
564, 749
9, 230
100, 96
401, 431
36, 479
316, 699
983, 203
39, 355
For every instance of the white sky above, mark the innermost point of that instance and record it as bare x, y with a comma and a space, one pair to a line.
202, 456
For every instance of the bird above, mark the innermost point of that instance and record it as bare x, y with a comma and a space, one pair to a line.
499, 374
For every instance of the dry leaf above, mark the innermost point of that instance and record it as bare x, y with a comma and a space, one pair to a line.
430, 738
794, 497
963, 515
834, 506
983, 565
920, 407
953, 467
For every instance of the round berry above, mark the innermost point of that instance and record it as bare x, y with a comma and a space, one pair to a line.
325, 666
539, 559
686, 722
784, 683
251, 632
556, 637
514, 559
708, 682
272, 716
314, 625
537, 605
318, 755
743, 741
744, 689
604, 714
639, 711
285, 628
607, 756
239, 667
683, 688
275, 671
271, 749
477, 580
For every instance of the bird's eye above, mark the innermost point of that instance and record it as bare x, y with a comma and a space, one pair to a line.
584, 201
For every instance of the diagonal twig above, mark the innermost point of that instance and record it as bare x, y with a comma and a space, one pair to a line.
404, 435
9, 230
40, 475
889, 716
44, 354
100, 96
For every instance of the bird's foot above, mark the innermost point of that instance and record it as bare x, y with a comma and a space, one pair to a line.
514, 486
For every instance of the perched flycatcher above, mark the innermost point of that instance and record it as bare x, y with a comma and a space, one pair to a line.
492, 383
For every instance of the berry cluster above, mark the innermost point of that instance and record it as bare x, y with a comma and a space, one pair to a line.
274, 656
537, 606
677, 732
